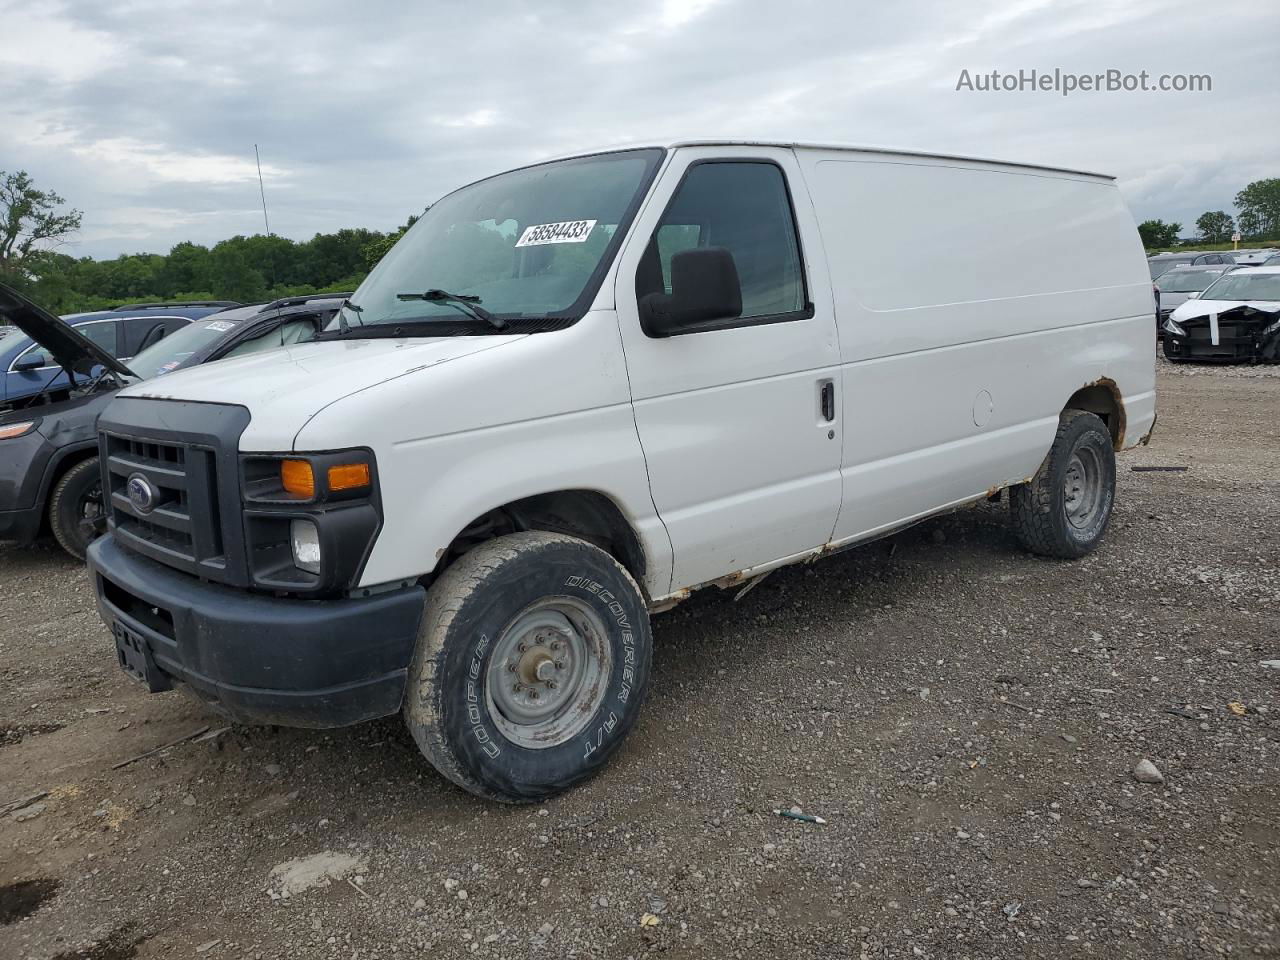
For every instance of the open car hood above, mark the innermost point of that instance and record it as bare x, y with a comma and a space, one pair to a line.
70, 349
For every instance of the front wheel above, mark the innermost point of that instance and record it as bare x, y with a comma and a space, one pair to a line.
531, 664
76, 513
1064, 510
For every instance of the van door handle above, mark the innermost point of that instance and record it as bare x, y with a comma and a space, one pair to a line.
827, 395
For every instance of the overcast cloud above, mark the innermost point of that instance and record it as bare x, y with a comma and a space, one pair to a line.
143, 114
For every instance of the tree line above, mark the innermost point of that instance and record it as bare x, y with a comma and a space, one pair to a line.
1257, 219
33, 225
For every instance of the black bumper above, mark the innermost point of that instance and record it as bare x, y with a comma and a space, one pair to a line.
1197, 345
22, 525
261, 659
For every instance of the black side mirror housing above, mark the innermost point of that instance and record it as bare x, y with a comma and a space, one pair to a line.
28, 363
704, 288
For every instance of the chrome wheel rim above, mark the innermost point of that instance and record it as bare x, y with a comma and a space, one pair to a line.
548, 673
1082, 488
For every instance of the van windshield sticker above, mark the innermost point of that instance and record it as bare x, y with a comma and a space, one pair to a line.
221, 325
566, 231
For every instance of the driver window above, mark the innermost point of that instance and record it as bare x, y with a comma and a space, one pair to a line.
744, 207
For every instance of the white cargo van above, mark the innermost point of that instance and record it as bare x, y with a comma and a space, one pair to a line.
577, 391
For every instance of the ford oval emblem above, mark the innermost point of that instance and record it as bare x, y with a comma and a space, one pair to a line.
142, 494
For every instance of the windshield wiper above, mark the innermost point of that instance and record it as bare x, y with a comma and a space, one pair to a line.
467, 304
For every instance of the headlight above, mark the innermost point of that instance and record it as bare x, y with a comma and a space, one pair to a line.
310, 519
1174, 327
305, 539
11, 430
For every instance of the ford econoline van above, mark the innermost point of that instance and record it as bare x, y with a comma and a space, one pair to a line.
577, 391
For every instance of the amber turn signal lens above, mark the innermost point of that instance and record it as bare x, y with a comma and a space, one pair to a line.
297, 478
348, 476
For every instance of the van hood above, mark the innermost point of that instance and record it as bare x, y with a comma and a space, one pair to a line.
286, 387
72, 351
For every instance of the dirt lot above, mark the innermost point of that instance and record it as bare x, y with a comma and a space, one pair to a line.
966, 718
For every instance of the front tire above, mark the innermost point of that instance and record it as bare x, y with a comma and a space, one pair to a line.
531, 664
76, 509
1065, 508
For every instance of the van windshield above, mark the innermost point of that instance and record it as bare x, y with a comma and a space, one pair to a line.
532, 244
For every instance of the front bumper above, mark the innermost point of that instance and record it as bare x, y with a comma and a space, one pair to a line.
20, 525
1232, 346
262, 659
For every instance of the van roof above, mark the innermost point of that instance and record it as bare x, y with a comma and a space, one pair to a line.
816, 145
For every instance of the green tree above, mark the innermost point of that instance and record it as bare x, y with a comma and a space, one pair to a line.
1259, 206
1157, 233
29, 221
329, 257
232, 275
1215, 226
185, 268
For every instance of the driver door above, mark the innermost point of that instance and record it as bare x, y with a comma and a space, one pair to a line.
738, 422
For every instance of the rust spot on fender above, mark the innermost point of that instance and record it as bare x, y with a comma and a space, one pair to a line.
1106, 383
666, 603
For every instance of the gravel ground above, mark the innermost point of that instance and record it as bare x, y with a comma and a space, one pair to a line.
966, 718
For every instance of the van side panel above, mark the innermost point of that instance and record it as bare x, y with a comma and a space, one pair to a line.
972, 300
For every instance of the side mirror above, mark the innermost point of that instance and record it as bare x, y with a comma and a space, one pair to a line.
28, 363
704, 287
1193, 295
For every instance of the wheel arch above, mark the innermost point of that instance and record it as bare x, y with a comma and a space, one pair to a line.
62, 461
1103, 398
587, 514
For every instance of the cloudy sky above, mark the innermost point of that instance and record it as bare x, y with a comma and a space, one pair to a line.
144, 113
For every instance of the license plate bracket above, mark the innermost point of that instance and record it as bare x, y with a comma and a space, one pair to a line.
136, 660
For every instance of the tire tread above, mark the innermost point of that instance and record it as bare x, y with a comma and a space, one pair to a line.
1031, 504
445, 600
66, 539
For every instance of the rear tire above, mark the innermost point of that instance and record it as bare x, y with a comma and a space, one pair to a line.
76, 508
531, 664
1065, 508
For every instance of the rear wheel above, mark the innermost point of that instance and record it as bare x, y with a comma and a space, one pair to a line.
531, 665
1064, 510
76, 513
